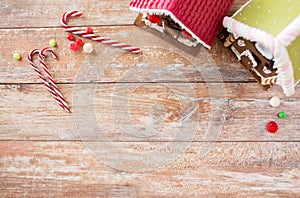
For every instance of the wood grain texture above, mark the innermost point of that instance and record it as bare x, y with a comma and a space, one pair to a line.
242, 116
165, 123
29, 112
108, 64
59, 169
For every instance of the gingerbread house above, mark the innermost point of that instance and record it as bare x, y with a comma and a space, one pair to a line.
191, 22
265, 37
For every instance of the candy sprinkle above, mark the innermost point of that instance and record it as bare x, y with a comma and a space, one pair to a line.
275, 101
73, 46
17, 56
272, 127
282, 115
70, 37
79, 42
52, 43
88, 48
89, 30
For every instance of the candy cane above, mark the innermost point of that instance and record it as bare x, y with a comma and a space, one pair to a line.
50, 78
45, 82
92, 36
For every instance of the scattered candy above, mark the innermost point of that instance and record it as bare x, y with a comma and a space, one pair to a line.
70, 37
17, 56
186, 35
73, 46
154, 18
84, 34
272, 127
282, 115
88, 48
89, 30
52, 43
79, 42
275, 101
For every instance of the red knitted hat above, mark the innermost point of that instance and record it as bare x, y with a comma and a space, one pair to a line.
201, 18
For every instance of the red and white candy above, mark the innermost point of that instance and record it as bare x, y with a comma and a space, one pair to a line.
51, 86
90, 35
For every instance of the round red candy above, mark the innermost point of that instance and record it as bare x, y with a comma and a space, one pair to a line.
70, 37
73, 46
89, 30
154, 18
272, 127
79, 42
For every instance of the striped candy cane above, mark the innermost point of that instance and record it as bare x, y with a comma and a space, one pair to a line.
49, 76
57, 97
92, 36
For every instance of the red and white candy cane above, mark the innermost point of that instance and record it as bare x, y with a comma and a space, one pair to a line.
92, 36
57, 98
49, 76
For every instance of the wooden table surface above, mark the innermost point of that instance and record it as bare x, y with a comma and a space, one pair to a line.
163, 123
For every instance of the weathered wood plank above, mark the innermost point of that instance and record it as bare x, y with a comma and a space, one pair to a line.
122, 112
159, 61
59, 169
105, 12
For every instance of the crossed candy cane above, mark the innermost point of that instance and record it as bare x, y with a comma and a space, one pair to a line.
48, 81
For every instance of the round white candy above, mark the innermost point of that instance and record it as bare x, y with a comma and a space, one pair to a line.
88, 48
275, 101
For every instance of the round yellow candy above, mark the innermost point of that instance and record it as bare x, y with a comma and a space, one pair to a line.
52, 43
17, 56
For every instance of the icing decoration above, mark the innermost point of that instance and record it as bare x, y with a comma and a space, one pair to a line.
241, 43
265, 80
201, 19
187, 41
266, 70
264, 51
237, 54
262, 21
268, 81
250, 56
155, 26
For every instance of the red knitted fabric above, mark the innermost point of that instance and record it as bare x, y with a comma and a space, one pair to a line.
202, 17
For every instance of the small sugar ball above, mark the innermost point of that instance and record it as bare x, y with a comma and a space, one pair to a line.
272, 127
282, 115
79, 42
88, 48
70, 37
17, 56
73, 46
89, 30
52, 43
275, 101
